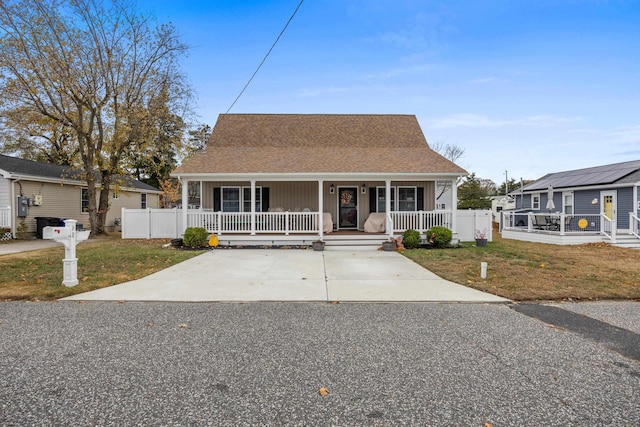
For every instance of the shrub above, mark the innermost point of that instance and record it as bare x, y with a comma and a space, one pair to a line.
196, 237
411, 239
439, 237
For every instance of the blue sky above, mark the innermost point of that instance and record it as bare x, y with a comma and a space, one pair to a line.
530, 87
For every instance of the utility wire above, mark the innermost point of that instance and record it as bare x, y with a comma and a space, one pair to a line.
265, 57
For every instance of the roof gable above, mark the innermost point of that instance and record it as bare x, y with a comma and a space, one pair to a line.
598, 175
321, 143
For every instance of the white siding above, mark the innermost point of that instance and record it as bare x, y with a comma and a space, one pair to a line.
5, 192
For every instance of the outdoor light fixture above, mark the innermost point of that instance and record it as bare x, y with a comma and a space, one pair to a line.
332, 189
363, 190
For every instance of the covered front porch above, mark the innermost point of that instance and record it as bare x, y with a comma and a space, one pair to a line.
282, 209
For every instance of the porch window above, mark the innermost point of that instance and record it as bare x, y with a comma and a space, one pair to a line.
567, 202
535, 202
238, 199
406, 199
84, 200
381, 206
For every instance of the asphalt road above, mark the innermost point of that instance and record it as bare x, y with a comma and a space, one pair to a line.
214, 364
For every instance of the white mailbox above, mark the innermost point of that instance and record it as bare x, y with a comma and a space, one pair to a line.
55, 233
69, 237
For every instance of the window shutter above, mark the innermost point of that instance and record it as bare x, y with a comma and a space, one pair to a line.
420, 199
373, 205
265, 199
216, 199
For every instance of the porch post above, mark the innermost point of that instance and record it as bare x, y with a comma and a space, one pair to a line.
320, 210
253, 207
185, 203
454, 206
387, 207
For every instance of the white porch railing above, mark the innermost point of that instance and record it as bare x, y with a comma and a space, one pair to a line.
265, 222
167, 223
420, 221
559, 223
5, 217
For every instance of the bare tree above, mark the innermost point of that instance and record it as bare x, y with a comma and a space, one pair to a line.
93, 67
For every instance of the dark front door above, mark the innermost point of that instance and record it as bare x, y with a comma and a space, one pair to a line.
348, 207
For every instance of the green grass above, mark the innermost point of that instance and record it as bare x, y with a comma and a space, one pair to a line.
534, 271
37, 275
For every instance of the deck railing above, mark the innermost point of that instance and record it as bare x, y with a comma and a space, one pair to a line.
421, 220
634, 224
265, 222
559, 223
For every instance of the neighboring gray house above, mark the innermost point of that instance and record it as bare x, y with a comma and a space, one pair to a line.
29, 190
592, 204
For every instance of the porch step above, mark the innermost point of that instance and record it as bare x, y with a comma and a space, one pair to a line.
627, 241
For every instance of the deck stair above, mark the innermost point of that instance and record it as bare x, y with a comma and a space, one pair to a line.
360, 241
626, 241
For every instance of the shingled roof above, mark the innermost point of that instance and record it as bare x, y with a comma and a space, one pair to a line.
317, 143
17, 167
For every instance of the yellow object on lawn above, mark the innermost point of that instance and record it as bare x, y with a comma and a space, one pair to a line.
213, 240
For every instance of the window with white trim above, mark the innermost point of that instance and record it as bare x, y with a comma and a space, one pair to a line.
406, 200
84, 200
381, 199
567, 202
232, 199
535, 202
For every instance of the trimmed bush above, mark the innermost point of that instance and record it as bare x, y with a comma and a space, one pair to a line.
411, 239
439, 237
196, 237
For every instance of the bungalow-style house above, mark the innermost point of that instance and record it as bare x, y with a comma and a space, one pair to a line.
266, 178
578, 206
37, 194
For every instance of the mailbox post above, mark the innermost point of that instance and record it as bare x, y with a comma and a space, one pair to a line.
69, 237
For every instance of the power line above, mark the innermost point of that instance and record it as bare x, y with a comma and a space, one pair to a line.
265, 57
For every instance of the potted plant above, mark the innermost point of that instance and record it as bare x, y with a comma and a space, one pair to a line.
389, 245
481, 238
318, 245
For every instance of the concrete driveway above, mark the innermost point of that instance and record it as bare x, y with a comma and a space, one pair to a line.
292, 275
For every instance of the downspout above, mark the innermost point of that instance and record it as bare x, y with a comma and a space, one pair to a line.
13, 204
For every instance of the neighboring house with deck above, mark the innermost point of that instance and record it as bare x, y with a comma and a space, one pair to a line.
588, 205
31, 190
266, 178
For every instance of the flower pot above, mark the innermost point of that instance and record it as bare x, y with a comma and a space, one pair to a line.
388, 246
481, 243
318, 246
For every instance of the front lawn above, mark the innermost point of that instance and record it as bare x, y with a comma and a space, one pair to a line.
37, 275
533, 271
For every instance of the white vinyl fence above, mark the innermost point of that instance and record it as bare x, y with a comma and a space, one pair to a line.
167, 223
5, 217
473, 223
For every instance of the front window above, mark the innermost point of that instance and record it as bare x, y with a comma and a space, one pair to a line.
407, 199
567, 203
382, 201
84, 200
535, 202
235, 200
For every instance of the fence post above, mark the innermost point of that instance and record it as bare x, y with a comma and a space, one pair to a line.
614, 230
562, 222
123, 234
529, 222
